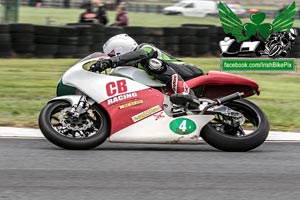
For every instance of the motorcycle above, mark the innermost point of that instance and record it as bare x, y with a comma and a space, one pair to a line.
279, 44
127, 105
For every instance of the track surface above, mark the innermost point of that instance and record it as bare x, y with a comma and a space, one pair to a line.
37, 170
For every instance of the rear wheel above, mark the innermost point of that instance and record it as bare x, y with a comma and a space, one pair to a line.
243, 138
87, 131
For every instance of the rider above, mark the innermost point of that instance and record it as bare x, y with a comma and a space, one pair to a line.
287, 39
88, 16
124, 50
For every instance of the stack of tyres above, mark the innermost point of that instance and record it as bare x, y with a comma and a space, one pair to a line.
46, 38
22, 38
85, 40
172, 40
184, 41
67, 42
136, 32
204, 38
215, 40
98, 38
150, 35
187, 41
111, 31
155, 36
94, 35
5, 41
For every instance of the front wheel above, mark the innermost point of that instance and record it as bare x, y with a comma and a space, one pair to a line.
275, 51
250, 135
87, 131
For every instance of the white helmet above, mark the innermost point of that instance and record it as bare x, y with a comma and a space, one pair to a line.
119, 44
293, 33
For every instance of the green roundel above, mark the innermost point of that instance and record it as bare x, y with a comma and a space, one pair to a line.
183, 126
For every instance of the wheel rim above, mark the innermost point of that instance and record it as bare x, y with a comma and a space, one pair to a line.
249, 127
86, 126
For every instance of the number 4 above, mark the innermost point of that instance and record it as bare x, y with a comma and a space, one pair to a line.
182, 126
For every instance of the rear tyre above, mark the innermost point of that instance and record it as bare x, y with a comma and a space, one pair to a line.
251, 135
86, 132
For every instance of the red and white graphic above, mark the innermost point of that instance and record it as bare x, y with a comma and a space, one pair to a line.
118, 87
159, 115
179, 86
121, 97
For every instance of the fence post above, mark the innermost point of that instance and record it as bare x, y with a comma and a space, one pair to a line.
10, 11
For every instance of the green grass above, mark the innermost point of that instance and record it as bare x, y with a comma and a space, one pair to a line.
27, 84
60, 16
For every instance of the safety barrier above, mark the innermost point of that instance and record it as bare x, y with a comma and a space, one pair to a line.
79, 40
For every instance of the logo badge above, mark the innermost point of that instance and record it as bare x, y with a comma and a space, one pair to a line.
133, 103
182, 126
258, 38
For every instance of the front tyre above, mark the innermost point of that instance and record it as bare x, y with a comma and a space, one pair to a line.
244, 138
86, 132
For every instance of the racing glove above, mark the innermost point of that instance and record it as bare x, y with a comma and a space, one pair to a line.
102, 65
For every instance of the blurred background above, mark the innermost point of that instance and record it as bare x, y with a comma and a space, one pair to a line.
40, 39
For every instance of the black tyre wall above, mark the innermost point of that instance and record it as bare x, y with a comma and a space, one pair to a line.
22, 39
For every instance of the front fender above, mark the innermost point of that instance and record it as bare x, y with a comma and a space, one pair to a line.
73, 99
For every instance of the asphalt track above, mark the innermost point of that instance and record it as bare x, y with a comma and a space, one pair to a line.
34, 169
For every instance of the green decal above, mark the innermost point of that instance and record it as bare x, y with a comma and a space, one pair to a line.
183, 126
231, 23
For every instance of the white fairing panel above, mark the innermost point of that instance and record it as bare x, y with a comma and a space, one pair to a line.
94, 84
157, 129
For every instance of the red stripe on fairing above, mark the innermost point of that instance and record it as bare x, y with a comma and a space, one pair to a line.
122, 118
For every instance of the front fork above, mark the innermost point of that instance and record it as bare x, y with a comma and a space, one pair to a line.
80, 107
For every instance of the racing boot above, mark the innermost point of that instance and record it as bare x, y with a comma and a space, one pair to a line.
183, 95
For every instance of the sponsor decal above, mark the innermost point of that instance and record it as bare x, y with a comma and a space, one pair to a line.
159, 115
121, 98
114, 88
175, 82
182, 126
133, 103
146, 113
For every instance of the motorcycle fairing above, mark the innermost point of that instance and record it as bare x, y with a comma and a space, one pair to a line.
217, 84
94, 85
136, 74
122, 112
156, 129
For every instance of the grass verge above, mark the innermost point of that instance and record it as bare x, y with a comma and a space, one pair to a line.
61, 16
27, 84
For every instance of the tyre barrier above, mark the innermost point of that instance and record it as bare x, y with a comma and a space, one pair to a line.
46, 39
5, 41
77, 40
22, 39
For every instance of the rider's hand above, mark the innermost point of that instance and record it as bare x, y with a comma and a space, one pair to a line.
102, 65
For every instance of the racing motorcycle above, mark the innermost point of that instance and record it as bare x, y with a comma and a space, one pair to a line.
125, 104
280, 43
